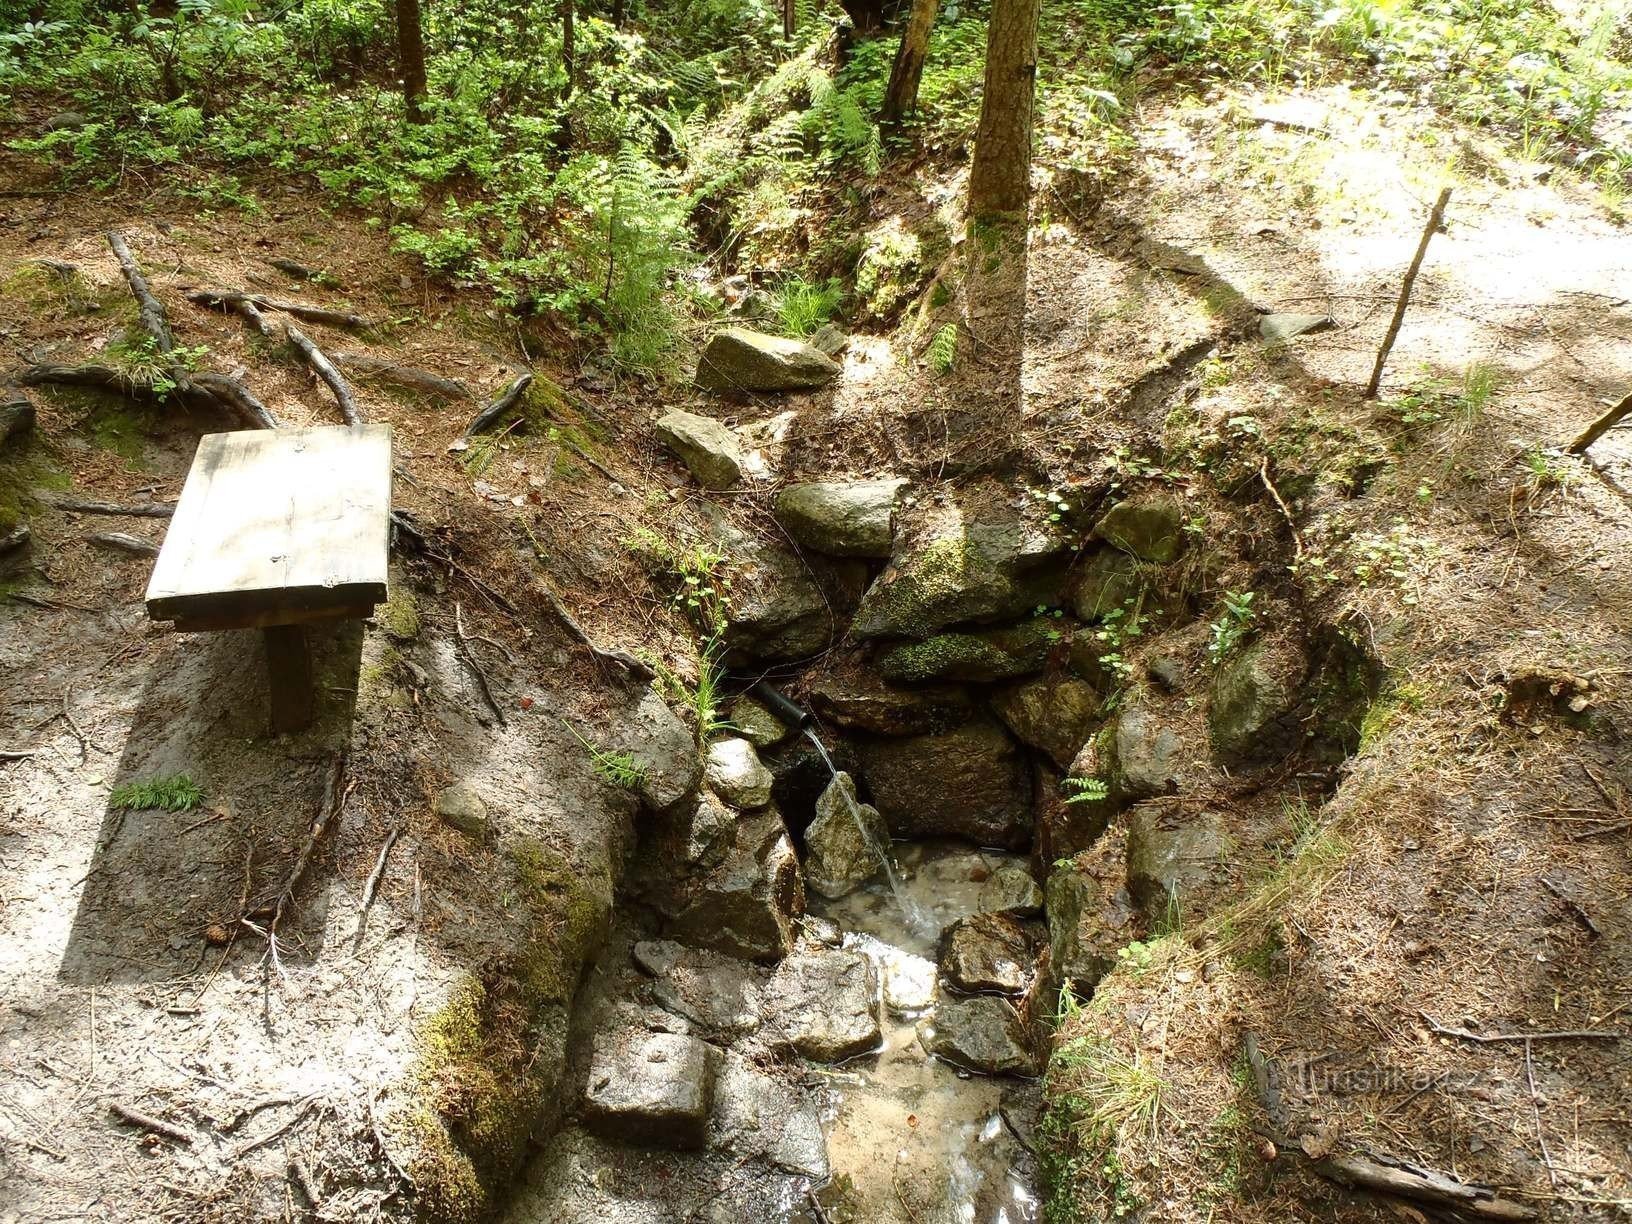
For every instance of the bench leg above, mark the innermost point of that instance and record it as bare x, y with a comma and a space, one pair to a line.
289, 673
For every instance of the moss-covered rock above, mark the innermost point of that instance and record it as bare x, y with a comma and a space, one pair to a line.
1252, 715
983, 655
981, 559
1150, 526
490, 1057
1109, 580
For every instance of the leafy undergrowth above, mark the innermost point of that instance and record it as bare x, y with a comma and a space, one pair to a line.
696, 132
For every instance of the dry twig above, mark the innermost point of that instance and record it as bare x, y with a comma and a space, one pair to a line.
148, 1122
1436, 218
469, 658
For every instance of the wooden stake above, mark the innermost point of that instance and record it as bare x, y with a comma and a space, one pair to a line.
1435, 219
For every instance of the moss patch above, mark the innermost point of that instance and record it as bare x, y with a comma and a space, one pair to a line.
995, 654
398, 616
490, 1057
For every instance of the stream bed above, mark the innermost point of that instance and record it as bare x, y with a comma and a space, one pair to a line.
911, 1137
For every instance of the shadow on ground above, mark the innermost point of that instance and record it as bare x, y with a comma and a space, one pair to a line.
159, 880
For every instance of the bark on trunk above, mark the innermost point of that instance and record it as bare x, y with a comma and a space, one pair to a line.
411, 59
1000, 179
569, 42
901, 98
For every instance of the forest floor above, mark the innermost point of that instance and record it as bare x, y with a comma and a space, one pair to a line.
1483, 880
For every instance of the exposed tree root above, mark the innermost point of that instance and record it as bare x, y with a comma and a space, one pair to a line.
489, 416
229, 299
324, 368
410, 377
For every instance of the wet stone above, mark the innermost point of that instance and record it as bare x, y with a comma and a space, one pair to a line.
839, 852
651, 1088
972, 782
735, 774
988, 952
759, 1115
1150, 526
756, 724
1011, 888
827, 1005
979, 1033
715, 992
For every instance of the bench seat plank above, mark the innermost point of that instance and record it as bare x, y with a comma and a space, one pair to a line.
278, 527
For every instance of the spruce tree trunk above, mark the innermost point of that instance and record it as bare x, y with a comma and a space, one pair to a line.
1000, 179
569, 42
790, 20
901, 99
411, 59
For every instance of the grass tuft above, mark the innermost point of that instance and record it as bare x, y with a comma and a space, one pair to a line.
172, 793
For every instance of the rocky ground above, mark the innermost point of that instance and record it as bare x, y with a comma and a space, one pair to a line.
1250, 766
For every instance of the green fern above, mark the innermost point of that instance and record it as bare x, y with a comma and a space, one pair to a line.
943, 349
171, 793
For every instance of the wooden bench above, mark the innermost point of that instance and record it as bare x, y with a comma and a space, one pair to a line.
276, 530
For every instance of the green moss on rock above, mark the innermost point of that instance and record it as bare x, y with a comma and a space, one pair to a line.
993, 654
490, 1057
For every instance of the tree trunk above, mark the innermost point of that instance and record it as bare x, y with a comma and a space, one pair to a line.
1000, 179
411, 59
569, 21
789, 19
617, 14
901, 99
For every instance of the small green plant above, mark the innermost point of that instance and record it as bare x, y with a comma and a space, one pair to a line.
171, 793
803, 306
1086, 790
943, 349
1479, 383
618, 769
1233, 627
140, 359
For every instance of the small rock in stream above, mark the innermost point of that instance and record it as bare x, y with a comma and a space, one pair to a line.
651, 1088
980, 1033
1012, 888
838, 856
986, 952
827, 1005
747, 905
759, 1115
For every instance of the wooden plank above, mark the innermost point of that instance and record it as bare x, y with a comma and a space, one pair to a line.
277, 527
289, 676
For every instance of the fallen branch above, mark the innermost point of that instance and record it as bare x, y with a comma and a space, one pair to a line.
324, 368
99, 377
333, 800
469, 657
123, 542
228, 299
1436, 218
490, 415
1376, 1172
1575, 907
411, 377
302, 1177
148, 1122
206, 391
17, 754
1554, 1035
140, 510
377, 874
1601, 426
301, 272
1297, 541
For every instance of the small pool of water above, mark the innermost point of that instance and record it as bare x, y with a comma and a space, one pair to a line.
913, 1140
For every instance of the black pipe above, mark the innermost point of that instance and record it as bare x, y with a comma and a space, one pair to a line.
795, 716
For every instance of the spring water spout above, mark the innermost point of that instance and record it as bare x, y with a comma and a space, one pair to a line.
914, 916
